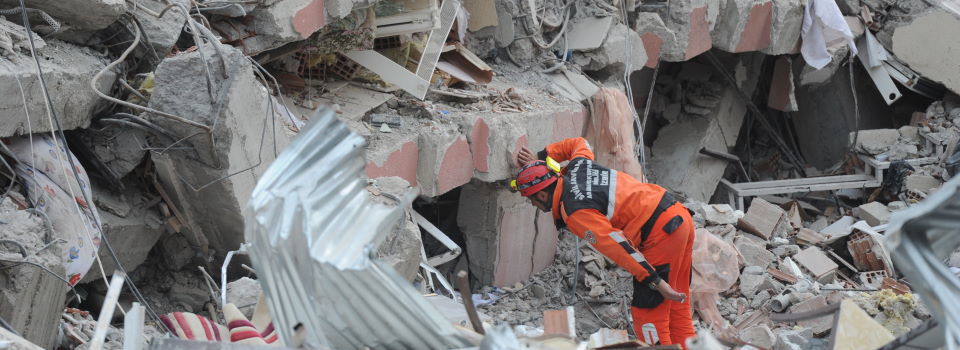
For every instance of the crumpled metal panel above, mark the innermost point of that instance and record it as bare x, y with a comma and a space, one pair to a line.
312, 229
920, 237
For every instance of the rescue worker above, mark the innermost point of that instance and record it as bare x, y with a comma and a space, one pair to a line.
637, 225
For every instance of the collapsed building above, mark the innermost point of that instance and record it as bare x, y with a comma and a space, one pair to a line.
309, 173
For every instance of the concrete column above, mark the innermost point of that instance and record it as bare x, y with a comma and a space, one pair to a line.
508, 239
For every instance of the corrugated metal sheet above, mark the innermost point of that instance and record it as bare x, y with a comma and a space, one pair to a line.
920, 237
313, 228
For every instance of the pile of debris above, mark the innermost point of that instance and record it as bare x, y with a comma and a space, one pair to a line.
151, 152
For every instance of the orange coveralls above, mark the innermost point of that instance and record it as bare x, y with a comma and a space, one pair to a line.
613, 211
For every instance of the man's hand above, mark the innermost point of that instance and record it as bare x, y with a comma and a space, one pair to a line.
669, 293
524, 156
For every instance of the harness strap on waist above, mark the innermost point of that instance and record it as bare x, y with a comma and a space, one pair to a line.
665, 202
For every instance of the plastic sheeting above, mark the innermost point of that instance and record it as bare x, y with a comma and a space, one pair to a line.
610, 131
716, 267
312, 229
46, 173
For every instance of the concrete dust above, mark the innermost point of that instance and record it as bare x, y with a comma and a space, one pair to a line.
601, 299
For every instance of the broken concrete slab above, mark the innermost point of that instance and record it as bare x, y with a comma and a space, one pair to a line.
508, 240
785, 29
875, 213
493, 144
444, 161
655, 36
393, 154
163, 32
280, 22
818, 325
217, 176
921, 183
118, 148
816, 262
402, 246
67, 69
721, 214
765, 219
750, 285
855, 329
132, 233
177, 252
82, 15
588, 33
31, 300
760, 336
401, 249
244, 293
613, 55
792, 339
875, 141
911, 45
839, 228
690, 21
743, 26
754, 253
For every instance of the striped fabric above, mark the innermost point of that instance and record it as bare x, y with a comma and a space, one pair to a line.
238, 330
194, 327
242, 330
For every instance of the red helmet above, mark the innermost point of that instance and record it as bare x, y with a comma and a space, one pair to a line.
534, 177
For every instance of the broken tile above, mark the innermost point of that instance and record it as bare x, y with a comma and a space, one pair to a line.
839, 228
560, 322
921, 183
754, 253
809, 236
816, 261
782, 276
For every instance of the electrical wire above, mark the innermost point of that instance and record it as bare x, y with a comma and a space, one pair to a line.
856, 111
52, 115
638, 151
46, 17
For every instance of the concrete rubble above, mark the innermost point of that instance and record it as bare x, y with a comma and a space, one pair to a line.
170, 112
